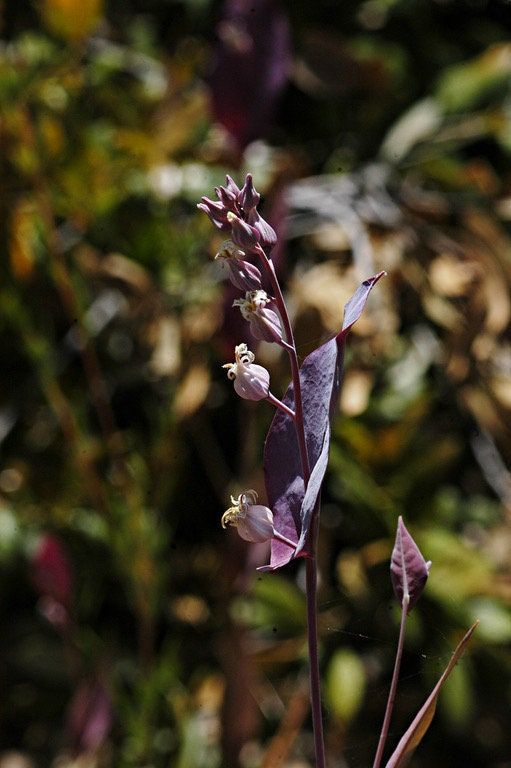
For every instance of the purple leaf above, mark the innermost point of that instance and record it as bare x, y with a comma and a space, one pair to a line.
51, 571
408, 569
320, 377
252, 65
422, 721
89, 716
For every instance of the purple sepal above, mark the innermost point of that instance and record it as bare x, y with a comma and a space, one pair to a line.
243, 235
89, 716
265, 326
320, 377
408, 569
249, 198
216, 213
242, 274
267, 234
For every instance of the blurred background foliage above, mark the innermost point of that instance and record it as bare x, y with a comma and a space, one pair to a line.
133, 631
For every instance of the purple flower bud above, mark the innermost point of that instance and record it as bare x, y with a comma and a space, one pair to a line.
408, 569
242, 274
243, 234
51, 571
266, 233
227, 198
216, 212
264, 323
248, 197
251, 382
231, 186
253, 521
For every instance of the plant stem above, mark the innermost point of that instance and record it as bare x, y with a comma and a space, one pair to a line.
279, 404
315, 679
311, 577
393, 686
293, 358
284, 539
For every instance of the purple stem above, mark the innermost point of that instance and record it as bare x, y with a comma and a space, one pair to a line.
284, 539
311, 563
279, 404
293, 358
393, 686
311, 579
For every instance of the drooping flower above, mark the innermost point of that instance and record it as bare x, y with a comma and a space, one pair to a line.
264, 322
253, 521
251, 381
242, 274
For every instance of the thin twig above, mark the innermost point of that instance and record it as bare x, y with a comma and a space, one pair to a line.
393, 686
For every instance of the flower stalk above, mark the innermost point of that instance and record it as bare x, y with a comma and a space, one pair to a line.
296, 448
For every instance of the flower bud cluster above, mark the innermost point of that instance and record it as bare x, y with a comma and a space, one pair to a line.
235, 212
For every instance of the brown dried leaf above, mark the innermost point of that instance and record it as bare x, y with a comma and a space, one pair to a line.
192, 391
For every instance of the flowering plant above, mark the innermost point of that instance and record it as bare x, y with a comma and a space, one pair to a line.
297, 445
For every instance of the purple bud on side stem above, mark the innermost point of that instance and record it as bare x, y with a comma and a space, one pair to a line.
249, 198
216, 213
266, 233
243, 234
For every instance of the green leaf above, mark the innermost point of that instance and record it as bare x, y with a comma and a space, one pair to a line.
345, 684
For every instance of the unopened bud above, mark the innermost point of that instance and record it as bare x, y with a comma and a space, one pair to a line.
216, 212
266, 233
243, 234
248, 196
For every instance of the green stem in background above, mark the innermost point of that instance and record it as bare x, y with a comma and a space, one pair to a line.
393, 686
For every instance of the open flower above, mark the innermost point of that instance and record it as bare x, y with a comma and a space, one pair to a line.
242, 274
253, 521
251, 382
264, 323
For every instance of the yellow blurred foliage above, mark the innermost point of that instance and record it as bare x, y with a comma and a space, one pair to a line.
71, 19
21, 240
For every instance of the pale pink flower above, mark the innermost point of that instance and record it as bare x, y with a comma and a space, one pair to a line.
251, 381
253, 521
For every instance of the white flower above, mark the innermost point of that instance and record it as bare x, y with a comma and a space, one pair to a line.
253, 521
264, 322
251, 382
229, 250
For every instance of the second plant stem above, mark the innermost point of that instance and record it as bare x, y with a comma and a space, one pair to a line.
393, 686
